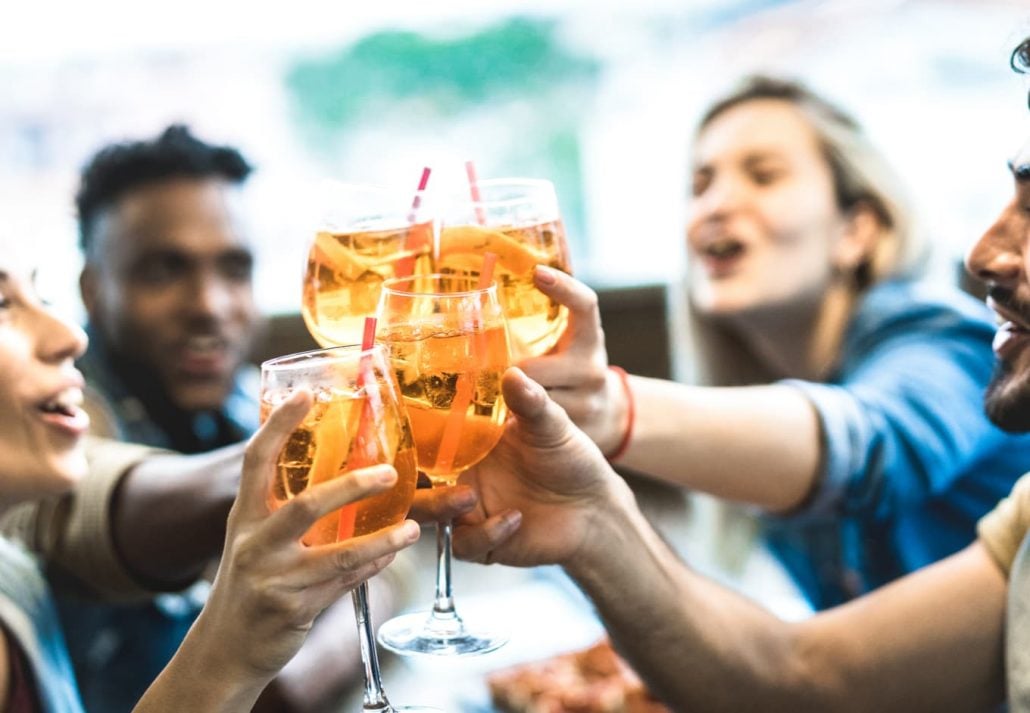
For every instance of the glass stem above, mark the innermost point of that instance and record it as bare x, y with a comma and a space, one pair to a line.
443, 605
375, 697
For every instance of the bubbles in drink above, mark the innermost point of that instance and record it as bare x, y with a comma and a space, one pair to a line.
430, 363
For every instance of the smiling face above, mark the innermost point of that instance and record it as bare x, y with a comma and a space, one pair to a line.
170, 287
1001, 258
41, 421
764, 224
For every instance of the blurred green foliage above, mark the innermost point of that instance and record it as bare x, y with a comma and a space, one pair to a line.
520, 57
518, 69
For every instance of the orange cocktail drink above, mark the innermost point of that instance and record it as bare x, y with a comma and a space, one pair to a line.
364, 236
450, 379
356, 421
518, 220
448, 346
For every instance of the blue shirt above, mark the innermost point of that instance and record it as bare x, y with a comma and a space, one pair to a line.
27, 613
910, 460
119, 649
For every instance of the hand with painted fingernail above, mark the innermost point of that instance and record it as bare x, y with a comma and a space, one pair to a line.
270, 586
575, 373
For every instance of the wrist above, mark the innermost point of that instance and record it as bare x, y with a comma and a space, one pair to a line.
628, 414
229, 682
604, 520
605, 527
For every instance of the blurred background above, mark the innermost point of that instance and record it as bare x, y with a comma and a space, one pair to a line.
598, 96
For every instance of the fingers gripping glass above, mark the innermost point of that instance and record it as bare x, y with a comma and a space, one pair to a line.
356, 421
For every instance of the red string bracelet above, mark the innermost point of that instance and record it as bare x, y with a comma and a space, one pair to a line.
631, 415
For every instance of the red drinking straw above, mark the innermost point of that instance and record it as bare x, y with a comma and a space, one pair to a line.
363, 449
406, 265
416, 202
463, 388
368, 339
477, 197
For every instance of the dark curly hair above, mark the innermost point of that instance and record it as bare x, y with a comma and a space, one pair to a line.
123, 167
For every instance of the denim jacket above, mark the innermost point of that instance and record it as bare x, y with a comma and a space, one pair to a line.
910, 460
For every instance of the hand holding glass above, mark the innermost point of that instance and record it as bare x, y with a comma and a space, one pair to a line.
356, 421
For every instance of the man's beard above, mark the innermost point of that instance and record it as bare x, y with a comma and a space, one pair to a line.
1007, 399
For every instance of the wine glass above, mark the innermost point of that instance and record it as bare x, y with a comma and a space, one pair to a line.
356, 421
448, 345
518, 219
364, 235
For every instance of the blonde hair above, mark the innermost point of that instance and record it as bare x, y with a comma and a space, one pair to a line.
861, 177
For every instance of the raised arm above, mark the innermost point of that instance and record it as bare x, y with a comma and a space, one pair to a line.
270, 587
168, 514
929, 642
932, 641
684, 435
905, 420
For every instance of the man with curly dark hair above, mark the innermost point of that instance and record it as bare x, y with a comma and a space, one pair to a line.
167, 286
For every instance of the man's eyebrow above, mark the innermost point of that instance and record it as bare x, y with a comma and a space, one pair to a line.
1021, 171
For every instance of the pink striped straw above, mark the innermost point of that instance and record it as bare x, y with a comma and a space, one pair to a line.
406, 265
416, 202
464, 386
477, 198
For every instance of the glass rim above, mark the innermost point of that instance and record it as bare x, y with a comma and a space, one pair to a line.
396, 205
311, 357
388, 286
334, 184
542, 183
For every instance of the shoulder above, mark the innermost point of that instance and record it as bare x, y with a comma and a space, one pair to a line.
1003, 529
905, 301
903, 310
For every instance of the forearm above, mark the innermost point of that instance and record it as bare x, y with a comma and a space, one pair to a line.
758, 445
202, 678
169, 514
697, 645
930, 642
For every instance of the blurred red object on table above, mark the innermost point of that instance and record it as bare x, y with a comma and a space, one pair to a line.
594, 680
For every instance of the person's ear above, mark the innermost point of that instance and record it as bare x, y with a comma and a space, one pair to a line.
862, 231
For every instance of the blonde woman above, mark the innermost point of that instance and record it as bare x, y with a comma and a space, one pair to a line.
833, 391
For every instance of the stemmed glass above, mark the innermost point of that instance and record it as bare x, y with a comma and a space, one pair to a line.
448, 346
357, 420
363, 236
518, 219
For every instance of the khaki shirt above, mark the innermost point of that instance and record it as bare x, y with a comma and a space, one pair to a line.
1004, 533
1002, 530
73, 532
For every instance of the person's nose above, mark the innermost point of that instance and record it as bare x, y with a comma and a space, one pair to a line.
721, 197
997, 257
211, 296
59, 338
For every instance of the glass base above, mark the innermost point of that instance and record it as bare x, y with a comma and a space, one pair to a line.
431, 634
390, 708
